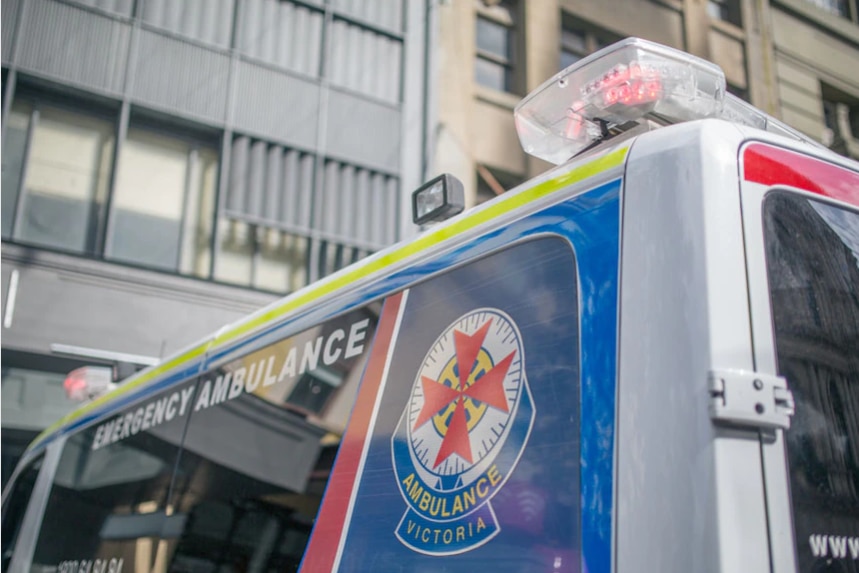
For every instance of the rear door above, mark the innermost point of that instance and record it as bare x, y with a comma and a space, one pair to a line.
802, 238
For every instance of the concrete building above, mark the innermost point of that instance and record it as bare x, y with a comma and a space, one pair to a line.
795, 59
170, 166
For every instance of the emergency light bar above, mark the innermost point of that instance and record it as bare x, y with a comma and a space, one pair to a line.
630, 84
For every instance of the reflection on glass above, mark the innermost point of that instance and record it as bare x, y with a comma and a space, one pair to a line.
254, 467
490, 74
813, 270
14, 149
68, 170
164, 202
108, 501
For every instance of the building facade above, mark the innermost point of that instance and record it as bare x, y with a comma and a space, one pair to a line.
170, 166
795, 59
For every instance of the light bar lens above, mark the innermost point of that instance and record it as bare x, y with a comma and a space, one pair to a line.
613, 87
619, 87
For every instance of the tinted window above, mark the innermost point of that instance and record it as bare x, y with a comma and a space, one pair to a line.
254, 467
16, 505
813, 269
108, 503
473, 455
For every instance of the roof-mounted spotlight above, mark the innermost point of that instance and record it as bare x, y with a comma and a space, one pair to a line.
437, 200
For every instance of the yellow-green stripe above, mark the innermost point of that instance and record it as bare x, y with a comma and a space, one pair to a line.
430, 239
422, 243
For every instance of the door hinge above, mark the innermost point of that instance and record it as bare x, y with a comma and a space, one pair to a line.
743, 398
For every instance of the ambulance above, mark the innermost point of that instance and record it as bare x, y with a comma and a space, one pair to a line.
644, 360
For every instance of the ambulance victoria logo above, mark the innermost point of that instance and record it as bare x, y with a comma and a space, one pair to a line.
461, 434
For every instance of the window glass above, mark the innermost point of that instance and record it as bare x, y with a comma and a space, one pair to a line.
491, 74
495, 33
108, 503
474, 450
164, 202
15, 507
254, 466
33, 399
493, 38
68, 171
812, 253
839, 8
14, 150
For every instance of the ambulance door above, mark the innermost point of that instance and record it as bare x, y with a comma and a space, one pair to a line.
801, 226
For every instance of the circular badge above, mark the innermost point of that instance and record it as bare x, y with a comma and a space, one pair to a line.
464, 427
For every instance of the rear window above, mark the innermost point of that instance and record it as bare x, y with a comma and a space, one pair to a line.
813, 269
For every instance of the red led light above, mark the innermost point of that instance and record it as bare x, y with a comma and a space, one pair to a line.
75, 387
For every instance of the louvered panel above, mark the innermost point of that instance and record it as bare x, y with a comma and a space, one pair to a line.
352, 48
386, 14
372, 137
346, 207
363, 201
274, 105
209, 21
256, 179
282, 33
122, 7
178, 75
239, 168
302, 30
75, 45
305, 189
377, 184
251, 22
8, 20
274, 181
392, 190
290, 206
327, 204
391, 81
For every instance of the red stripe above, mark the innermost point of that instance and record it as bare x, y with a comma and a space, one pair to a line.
770, 165
325, 538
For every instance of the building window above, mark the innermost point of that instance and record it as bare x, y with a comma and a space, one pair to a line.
726, 11
494, 65
260, 256
579, 39
742, 93
841, 117
56, 172
840, 8
164, 204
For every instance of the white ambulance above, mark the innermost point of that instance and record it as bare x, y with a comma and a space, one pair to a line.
646, 359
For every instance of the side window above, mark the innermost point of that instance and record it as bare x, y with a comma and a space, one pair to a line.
259, 447
108, 502
472, 453
813, 270
16, 506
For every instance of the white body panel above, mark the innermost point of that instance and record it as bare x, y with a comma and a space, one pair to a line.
684, 312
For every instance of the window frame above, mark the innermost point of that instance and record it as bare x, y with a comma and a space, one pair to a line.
506, 17
38, 103
196, 141
593, 36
